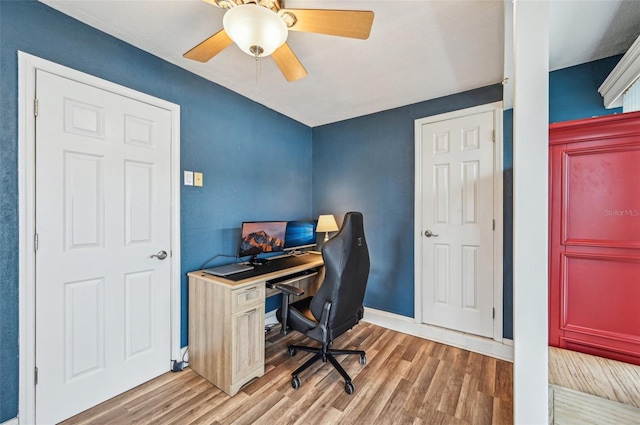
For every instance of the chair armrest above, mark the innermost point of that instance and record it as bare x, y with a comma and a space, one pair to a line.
288, 289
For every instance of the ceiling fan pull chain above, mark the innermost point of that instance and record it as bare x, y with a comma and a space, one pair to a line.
257, 53
257, 67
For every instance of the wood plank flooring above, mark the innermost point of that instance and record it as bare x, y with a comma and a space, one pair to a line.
406, 380
605, 378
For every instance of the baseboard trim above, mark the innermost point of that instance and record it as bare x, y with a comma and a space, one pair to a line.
13, 421
486, 346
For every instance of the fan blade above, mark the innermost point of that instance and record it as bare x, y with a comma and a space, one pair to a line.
288, 63
213, 2
210, 47
343, 23
225, 4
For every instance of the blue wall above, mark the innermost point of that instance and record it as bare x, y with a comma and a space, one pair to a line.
367, 164
573, 92
248, 174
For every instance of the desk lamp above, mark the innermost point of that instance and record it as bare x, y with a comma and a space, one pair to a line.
326, 223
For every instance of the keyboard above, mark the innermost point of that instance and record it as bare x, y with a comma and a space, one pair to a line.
283, 263
271, 283
272, 265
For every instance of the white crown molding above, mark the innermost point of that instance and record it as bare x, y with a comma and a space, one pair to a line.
626, 72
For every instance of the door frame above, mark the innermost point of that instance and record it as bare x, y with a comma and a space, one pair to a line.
497, 109
27, 66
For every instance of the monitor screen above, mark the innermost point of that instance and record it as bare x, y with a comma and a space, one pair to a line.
300, 234
260, 237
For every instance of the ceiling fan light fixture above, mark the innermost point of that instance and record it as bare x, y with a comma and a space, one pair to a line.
258, 31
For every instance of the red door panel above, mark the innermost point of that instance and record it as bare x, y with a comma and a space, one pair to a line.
594, 239
602, 196
600, 296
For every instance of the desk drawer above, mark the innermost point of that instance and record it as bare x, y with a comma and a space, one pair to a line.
247, 297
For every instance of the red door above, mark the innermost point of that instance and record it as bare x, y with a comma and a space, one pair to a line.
594, 282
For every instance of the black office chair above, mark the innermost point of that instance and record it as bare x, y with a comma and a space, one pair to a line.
337, 306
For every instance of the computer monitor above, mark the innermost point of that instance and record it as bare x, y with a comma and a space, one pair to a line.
259, 237
300, 234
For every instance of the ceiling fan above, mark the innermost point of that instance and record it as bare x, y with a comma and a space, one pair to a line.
260, 29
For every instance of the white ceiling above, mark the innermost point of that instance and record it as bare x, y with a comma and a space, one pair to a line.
418, 50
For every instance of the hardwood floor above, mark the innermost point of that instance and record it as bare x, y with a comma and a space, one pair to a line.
406, 380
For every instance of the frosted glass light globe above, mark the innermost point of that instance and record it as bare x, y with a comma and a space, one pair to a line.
258, 31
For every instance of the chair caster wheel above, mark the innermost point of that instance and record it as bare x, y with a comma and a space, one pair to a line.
349, 388
292, 351
295, 382
363, 359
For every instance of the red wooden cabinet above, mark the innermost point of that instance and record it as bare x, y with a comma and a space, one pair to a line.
594, 238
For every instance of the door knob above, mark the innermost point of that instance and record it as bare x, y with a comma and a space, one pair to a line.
429, 233
161, 255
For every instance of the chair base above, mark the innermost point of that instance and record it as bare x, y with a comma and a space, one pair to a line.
325, 354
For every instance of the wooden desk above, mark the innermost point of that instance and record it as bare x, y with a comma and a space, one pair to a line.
226, 322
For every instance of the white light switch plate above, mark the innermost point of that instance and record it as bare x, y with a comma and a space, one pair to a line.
188, 178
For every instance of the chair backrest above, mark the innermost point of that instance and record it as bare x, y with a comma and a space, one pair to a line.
346, 262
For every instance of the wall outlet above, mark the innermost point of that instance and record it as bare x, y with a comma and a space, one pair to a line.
198, 179
188, 178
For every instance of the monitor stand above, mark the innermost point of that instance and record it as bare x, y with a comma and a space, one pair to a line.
258, 261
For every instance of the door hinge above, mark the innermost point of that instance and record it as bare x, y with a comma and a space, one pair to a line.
493, 314
35, 107
494, 224
35, 375
493, 135
35, 241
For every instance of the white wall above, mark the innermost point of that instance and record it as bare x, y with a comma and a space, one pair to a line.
530, 210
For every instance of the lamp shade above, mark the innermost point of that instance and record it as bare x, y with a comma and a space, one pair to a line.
258, 31
327, 223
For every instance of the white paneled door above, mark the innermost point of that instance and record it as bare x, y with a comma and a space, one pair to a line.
457, 223
102, 211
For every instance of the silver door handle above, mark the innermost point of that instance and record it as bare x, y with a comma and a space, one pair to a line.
429, 234
161, 255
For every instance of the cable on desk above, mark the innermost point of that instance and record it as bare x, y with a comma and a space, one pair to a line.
216, 256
